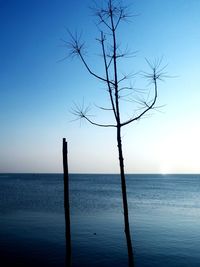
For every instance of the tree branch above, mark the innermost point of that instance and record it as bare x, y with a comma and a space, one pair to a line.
154, 76
146, 110
105, 109
107, 75
115, 65
82, 113
76, 47
91, 72
98, 124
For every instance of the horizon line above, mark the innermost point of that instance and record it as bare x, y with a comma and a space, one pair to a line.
108, 173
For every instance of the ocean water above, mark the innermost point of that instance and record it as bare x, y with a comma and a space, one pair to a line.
164, 220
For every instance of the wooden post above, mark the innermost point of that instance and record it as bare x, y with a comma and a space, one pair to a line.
66, 204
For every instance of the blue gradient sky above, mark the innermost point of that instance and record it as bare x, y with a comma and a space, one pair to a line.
37, 90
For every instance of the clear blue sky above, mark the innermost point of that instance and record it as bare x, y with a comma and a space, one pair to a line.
37, 90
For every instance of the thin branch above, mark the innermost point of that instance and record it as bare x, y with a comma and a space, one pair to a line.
145, 111
110, 62
91, 72
107, 75
102, 20
98, 124
154, 76
105, 109
124, 96
127, 76
125, 88
76, 49
125, 54
81, 112
75, 45
115, 64
158, 72
119, 19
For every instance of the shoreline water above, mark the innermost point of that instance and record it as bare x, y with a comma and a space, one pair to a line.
164, 220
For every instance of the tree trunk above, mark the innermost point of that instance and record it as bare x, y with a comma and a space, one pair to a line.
124, 197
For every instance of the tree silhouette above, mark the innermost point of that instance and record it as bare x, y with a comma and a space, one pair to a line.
110, 16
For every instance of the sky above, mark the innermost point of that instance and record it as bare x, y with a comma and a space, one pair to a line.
39, 85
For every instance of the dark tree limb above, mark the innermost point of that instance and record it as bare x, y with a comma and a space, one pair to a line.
156, 75
98, 124
107, 76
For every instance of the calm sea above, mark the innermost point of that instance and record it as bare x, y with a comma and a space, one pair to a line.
164, 220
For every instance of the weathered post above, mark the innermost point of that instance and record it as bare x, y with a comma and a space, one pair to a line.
66, 204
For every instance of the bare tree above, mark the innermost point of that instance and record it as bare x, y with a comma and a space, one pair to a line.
110, 16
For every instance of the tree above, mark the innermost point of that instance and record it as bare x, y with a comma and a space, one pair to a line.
110, 16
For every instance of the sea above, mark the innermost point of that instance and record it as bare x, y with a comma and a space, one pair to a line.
164, 213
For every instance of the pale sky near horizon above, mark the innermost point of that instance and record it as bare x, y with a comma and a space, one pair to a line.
38, 88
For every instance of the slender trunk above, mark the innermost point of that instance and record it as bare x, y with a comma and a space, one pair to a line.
124, 197
66, 205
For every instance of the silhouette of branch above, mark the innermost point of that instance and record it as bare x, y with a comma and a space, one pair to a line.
76, 48
111, 16
91, 72
107, 75
126, 88
82, 113
123, 54
156, 74
114, 9
102, 20
126, 77
103, 108
98, 124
